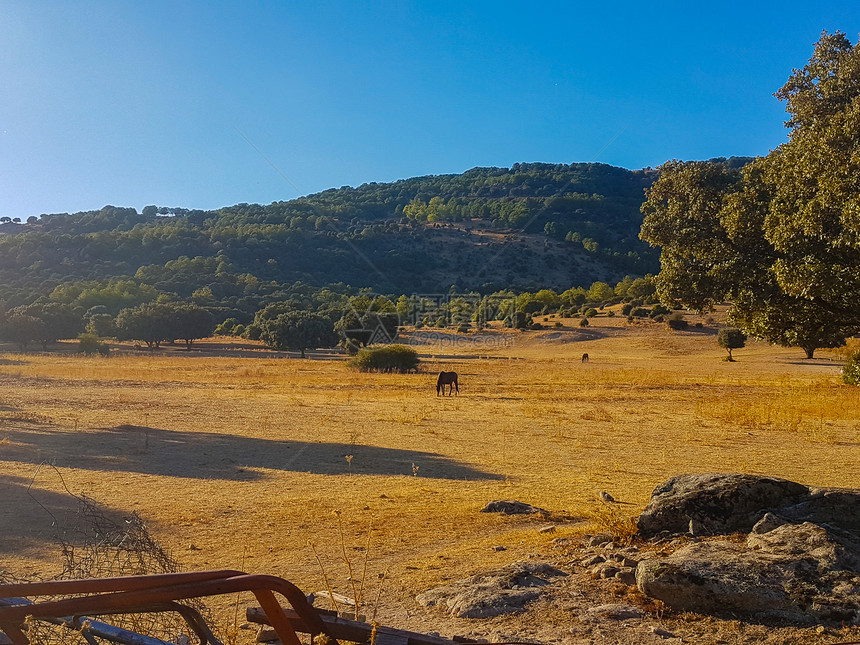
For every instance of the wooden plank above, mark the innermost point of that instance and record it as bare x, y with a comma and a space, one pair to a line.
355, 631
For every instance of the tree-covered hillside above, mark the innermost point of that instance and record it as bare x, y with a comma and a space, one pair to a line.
529, 226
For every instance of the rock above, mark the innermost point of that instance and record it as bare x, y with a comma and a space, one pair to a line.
662, 633
600, 538
716, 503
266, 635
511, 507
499, 548
604, 570
789, 573
501, 591
613, 611
547, 529
836, 507
830, 550
595, 559
768, 522
627, 575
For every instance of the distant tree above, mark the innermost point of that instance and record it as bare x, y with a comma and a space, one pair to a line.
32, 219
298, 331
600, 292
20, 328
59, 321
731, 338
150, 323
191, 322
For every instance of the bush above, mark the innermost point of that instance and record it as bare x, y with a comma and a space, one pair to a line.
388, 358
851, 371
588, 313
463, 328
659, 310
558, 323
639, 312
90, 344
676, 321
583, 322
626, 308
610, 314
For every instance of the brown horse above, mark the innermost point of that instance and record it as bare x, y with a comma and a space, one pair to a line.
449, 379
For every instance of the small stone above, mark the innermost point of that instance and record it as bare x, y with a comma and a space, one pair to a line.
595, 559
767, 523
662, 633
607, 572
194, 547
630, 562
599, 539
547, 529
499, 548
627, 576
614, 612
366, 508
266, 635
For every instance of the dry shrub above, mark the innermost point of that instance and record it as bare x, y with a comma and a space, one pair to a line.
608, 518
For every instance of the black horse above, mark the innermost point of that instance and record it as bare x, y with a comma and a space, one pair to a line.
449, 379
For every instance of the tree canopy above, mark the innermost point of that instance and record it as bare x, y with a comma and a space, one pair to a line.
780, 237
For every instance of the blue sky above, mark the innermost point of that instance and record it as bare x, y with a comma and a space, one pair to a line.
208, 104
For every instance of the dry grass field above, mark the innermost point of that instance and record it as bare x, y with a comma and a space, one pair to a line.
282, 465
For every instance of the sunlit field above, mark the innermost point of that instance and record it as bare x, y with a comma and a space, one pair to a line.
285, 466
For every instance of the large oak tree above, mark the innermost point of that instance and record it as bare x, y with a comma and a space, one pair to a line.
779, 239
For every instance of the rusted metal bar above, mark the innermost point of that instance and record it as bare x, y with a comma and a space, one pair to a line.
113, 595
90, 626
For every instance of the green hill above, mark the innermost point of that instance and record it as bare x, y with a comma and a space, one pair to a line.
530, 226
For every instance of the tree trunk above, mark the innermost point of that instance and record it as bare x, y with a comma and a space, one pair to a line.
303, 353
809, 351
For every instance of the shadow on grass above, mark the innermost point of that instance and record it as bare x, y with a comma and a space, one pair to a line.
157, 451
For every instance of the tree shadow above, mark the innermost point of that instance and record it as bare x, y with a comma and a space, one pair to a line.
32, 514
157, 451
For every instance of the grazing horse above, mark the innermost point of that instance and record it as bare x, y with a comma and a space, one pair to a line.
449, 379
585, 358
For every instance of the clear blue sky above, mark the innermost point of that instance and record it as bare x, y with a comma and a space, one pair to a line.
207, 104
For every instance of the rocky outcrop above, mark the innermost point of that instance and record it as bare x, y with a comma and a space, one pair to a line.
715, 504
800, 560
502, 591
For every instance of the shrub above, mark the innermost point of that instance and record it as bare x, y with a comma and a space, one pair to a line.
610, 313
463, 328
588, 313
639, 312
583, 322
90, 344
676, 321
659, 310
558, 323
626, 308
851, 371
388, 358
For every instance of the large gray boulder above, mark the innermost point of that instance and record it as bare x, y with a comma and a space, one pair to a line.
802, 573
716, 504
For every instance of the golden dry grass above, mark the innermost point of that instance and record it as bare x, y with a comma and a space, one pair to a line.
250, 459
